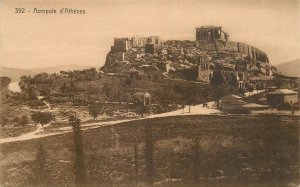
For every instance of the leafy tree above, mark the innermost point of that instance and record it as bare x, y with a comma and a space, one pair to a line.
96, 109
42, 117
232, 81
24, 82
32, 93
4, 82
217, 78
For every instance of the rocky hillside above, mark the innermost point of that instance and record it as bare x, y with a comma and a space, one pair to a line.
190, 60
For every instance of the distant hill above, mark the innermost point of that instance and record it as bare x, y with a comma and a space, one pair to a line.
291, 68
15, 73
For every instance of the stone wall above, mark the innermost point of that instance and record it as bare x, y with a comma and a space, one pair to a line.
125, 44
247, 50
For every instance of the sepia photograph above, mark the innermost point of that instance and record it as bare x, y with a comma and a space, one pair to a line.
142, 93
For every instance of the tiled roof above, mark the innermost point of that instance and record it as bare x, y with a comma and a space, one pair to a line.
232, 96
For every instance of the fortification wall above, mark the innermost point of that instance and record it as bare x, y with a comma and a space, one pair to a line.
253, 53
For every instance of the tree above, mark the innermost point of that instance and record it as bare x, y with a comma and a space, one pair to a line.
4, 82
217, 78
232, 81
41, 117
96, 108
79, 165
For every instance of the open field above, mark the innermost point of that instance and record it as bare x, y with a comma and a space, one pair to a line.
242, 150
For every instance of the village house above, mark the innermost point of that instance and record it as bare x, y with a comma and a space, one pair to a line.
282, 97
231, 102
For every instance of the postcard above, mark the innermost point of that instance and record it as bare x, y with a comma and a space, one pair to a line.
149, 93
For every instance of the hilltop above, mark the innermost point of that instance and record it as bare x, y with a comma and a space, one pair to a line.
291, 68
210, 58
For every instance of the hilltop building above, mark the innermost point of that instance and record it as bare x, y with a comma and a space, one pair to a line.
211, 52
125, 44
211, 33
245, 59
213, 38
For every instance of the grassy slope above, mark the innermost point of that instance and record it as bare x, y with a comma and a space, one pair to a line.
234, 150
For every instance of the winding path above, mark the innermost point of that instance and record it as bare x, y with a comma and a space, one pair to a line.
39, 132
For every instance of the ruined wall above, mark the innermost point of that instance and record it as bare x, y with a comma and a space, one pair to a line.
121, 45
205, 72
247, 50
125, 44
117, 56
139, 41
204, 76
152, 48
153, 40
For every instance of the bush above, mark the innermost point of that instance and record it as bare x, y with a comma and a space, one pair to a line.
96, 109
42, 117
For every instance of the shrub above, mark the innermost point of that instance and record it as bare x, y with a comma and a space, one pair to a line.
42, 117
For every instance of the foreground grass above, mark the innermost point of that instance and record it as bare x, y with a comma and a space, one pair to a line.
232, 151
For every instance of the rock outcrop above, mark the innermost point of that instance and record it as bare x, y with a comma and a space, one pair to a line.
210, 52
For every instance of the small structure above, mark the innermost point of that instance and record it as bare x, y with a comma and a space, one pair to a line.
205, 71
142, 98
231, 102
211, 33
282, 97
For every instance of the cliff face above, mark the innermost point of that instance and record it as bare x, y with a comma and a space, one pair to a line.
207, 54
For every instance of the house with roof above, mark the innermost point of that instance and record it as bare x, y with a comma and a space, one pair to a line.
280, 98
231, 102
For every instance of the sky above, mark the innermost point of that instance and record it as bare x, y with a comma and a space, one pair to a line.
37, 40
